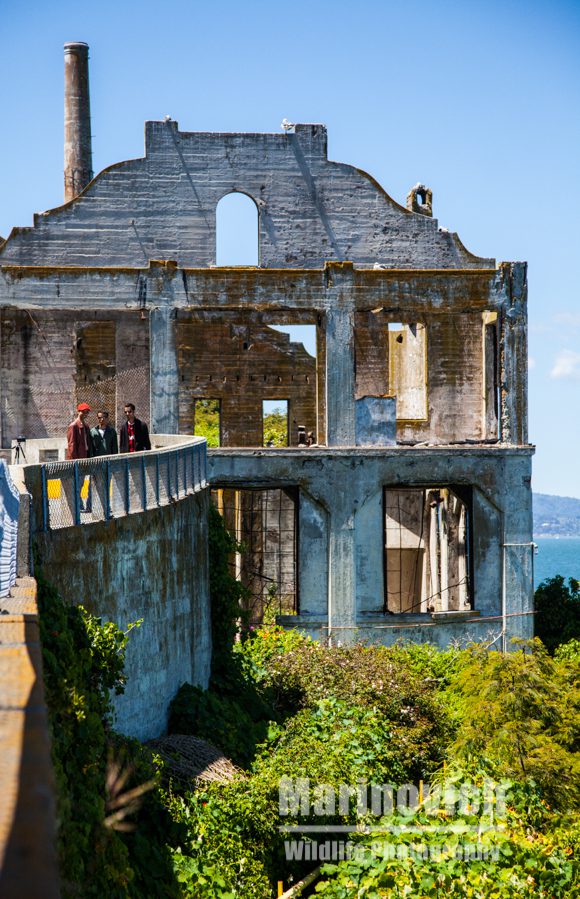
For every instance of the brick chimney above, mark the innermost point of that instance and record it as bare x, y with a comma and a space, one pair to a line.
78, 161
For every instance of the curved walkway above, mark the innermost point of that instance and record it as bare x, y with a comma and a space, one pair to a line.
60, 494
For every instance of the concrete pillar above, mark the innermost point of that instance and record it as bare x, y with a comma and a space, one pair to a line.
344, 491
340, 373
518, 587
370, 554
342, 568
164, 371
514, 355
320, 383
78, 163
312, 556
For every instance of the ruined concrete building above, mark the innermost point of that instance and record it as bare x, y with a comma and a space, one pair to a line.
411, 513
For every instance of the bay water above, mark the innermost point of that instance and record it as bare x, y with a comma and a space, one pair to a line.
556, 555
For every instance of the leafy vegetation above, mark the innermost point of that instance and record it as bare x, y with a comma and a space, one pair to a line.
276, 428
521, 714
407, 714
207, 421
504, 864
557, 607
226, 594
83, 661
285, 707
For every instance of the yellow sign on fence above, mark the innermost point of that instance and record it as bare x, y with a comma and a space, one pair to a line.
53, 489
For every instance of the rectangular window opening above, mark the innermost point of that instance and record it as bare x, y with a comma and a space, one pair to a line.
243, 362
264, 522
491, 396
207, 420
407, 364
275, 422
427, 550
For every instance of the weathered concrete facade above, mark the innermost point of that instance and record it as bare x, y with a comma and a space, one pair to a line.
419, 382
341, 513
150, 566
145, 557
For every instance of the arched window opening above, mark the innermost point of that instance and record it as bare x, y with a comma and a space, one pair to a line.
237, 241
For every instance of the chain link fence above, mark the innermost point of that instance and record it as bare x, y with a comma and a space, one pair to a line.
9, 507
55, 404
88, 490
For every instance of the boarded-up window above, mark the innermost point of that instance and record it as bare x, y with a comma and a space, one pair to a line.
490, 375
408, 369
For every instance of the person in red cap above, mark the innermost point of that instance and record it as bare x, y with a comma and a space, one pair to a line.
78, 435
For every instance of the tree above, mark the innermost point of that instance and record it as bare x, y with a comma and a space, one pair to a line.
557, 608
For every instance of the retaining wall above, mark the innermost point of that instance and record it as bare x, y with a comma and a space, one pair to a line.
151, 565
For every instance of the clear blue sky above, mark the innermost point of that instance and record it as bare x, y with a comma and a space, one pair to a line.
480, 101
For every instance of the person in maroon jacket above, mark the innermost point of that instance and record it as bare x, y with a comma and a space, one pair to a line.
134, 434
78, 435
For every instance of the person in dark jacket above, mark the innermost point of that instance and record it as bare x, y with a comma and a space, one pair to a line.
104, 436
134, 434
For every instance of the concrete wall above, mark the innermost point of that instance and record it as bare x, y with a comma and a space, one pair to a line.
50, 361
28, 823
164, 207
43, 315
151, 565
341, 527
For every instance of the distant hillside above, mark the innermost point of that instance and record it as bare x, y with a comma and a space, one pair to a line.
556, 516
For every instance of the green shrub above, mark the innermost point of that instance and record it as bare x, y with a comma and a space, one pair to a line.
216, 860
521, 719
513, 864
217, 719
300, 672
557, 609
83, 660
568, 652
331, 743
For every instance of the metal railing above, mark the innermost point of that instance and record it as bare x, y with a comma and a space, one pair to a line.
109, 487
9, 507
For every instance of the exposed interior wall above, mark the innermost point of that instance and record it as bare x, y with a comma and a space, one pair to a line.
408, 369
151, 565
243, 364
50, 361
436, 367
446, 384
